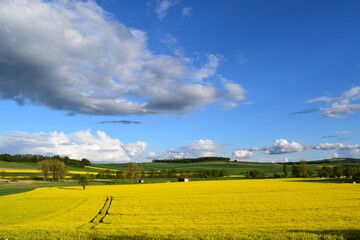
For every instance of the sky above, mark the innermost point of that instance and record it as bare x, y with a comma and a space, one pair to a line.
119, 81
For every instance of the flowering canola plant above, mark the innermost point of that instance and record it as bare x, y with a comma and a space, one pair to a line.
233, 209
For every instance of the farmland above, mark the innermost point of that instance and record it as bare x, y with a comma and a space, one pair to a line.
12, 174
237, 209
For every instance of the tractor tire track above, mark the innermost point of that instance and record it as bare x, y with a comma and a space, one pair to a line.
102, 213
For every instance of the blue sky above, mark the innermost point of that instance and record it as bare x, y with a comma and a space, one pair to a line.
118, 81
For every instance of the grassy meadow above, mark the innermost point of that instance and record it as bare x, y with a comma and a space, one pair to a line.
237, 209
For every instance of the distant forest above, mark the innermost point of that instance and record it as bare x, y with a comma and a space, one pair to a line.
191, 160
29, 158
335, 161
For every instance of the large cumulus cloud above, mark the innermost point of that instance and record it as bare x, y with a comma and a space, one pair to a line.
74, 56
242, 154
98, 147
283, 146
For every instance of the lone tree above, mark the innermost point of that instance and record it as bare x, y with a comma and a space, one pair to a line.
285, 169
83, 181
44, 166
53, 167
57, 168
132, 169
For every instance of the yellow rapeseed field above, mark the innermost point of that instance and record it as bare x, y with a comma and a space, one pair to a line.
99, 168
38, 171
233, 209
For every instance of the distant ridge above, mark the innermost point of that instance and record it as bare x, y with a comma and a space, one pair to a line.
333, 161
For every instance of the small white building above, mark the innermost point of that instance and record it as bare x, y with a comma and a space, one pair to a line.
183, 180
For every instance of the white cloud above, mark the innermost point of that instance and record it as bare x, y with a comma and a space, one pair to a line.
151, 155
197, 148
135, 149
228, 105
98, 147
73, 56
172, 43
337, 146
187, 11
234, 91
341, 106
174, 153
209, 69
283, 146
242, 154
163, 7
203, 148
328, 146
320, 99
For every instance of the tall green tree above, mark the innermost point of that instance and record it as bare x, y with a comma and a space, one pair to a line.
285, 169
349, 172
83, 181
132, 170
356, 177
44, 167
338, 171
52, 167
300, 170
57, 169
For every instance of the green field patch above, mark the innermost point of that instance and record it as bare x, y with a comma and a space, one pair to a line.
18, 165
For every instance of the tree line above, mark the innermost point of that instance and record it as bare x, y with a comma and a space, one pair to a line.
191, 160
29, 158
338, 160
301, 170
339, 171
173, 173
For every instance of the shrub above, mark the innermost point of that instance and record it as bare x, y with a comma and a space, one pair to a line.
276, 175
356, 177
255, 173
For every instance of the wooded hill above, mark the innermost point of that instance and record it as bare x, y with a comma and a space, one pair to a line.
334, 161
29, 158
